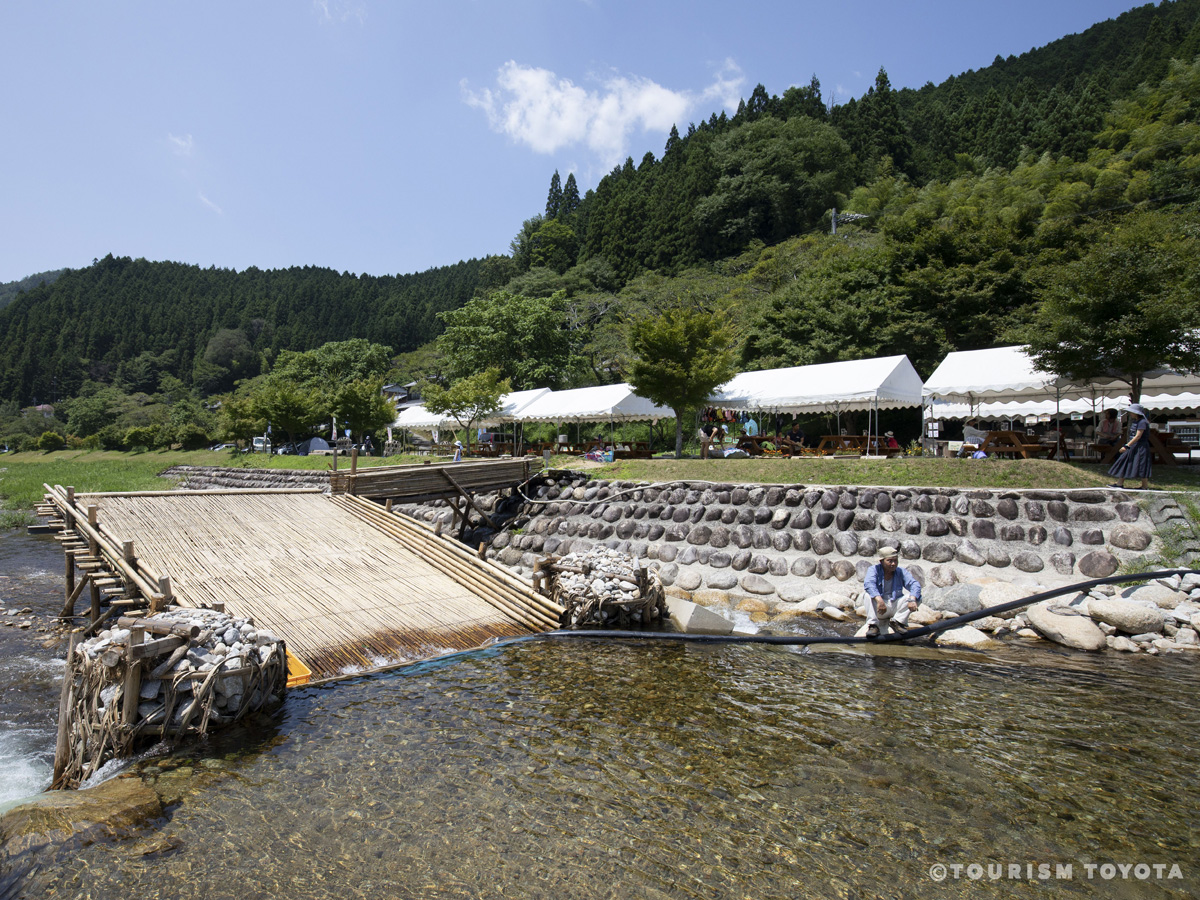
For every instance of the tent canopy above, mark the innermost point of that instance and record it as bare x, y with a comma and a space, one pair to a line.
1007, 374
511, 406
884, 383
605, 403
418, 418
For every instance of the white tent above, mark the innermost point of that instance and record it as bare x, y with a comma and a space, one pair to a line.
606, 403
998, 409
418, 418
1006, 374
511, 407
871, 384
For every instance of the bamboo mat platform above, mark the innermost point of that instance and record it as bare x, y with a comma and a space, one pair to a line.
416, 483
345, 589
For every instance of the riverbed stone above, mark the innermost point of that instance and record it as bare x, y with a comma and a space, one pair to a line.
1011, 533
910, 549
943, 576
1058, 510
688, 556
887, 522
1008, 508
883, 502
937, 552
966, 636
1098, 564
1127, 615
668, 552
844, 519
843, 570
912, 525
804, 566
846, 543
1130, 537
1128, 512
1091, 536
968, 553
1161, 596
688, 580
983, 529
759, 564
824, 568
822, 543
1063, 562
720, 559
959, 599
781, 541
1077, 631
794, 591
741, 560
1037, 535
756, 584
1092, 514
824, 519
113, 809
958, 526
801, 519
801, 540
1028, 562
762, 538
936, 526
998, 558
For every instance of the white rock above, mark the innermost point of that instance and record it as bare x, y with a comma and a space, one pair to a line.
1106, 628
1127, 616
1164, 644
832, 612
966, 636
1186, 636
1124, 644
1079, 632
1029, 633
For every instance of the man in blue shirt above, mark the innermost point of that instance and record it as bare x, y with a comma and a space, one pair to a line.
884, 589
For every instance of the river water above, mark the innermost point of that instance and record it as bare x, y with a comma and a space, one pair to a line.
616, 770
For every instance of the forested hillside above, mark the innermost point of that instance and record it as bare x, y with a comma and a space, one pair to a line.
10, 291
206, 327
963, 205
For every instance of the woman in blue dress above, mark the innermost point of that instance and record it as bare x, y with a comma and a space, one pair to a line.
1133, 459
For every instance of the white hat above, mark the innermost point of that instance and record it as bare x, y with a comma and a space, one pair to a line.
887, 553
458, 443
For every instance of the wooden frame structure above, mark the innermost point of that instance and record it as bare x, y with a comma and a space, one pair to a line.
347, 585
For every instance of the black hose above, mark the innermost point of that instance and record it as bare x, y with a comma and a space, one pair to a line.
910, 634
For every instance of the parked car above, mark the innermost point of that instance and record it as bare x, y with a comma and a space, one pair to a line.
260, 445
218, 447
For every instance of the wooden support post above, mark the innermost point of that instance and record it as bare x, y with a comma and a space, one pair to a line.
133, 678
354, 461
62, 749
482, 551
164, 587
70, 593
68, 610
93, 517
387, 505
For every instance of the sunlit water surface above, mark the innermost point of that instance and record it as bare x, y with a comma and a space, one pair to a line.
593, 770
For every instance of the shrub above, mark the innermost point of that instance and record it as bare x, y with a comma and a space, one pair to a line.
51, 440
140, 438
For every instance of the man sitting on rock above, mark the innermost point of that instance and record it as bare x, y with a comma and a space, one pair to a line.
884, 589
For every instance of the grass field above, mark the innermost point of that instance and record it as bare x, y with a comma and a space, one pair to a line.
22, 474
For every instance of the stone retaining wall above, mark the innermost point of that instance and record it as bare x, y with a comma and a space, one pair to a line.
792, 541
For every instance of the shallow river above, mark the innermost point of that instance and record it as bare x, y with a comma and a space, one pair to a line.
586, 769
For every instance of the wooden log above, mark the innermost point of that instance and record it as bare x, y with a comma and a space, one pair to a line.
178, 629
68, 610
133, 678
157, 647
62, 744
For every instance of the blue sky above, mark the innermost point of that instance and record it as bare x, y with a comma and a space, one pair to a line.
391, 137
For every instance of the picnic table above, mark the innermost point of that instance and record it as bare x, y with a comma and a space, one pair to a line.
1015, 444
752, 444
1163, 447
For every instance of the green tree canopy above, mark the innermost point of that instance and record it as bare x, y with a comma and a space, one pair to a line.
468, 399
678, 358
523, 338
1128, 306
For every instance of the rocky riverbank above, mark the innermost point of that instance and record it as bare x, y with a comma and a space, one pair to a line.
763, 555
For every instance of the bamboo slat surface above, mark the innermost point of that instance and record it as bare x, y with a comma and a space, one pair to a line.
344, 595
409, 482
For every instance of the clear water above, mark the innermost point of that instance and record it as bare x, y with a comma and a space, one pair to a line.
587, 769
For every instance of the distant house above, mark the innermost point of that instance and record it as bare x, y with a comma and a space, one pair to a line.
402, 395
45, 409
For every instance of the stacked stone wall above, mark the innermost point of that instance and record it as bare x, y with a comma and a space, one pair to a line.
793, 540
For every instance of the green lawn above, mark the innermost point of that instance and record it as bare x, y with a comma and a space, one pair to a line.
22, 474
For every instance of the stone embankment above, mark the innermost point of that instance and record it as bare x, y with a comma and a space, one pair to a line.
765, 553
207, 478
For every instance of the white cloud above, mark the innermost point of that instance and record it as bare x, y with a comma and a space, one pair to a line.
210, 204
340, 10
181, 146
535, 107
